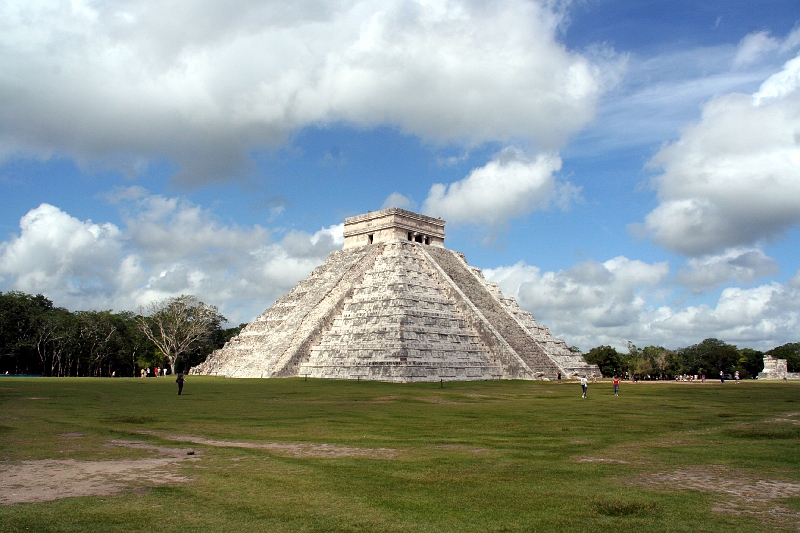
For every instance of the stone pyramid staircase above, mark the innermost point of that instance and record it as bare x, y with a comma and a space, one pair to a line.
400, 324
395, 310
495, 311
273, 344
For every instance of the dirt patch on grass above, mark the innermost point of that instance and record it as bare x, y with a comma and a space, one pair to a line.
293, 449
71, 435
441, 401
740, 493
601, 460
53, 479
461, 448
787, 418
383, 399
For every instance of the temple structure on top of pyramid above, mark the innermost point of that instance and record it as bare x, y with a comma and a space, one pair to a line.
395, 305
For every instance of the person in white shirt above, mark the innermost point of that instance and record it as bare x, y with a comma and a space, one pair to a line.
584, 385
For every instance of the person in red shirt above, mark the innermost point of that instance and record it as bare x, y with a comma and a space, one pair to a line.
616, 386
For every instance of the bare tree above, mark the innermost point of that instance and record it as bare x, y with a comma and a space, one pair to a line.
177, 325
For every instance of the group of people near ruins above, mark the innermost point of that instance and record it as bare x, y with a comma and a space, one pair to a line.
145, 372
702, 377
156, 372
690, 377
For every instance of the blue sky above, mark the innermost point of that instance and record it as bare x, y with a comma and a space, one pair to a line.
626, 170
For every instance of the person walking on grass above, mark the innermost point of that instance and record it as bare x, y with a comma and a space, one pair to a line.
736, 377
584, 385
180, 381
616, 386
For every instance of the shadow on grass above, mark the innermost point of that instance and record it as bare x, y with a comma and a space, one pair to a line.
619, 507
131, 419
766, 432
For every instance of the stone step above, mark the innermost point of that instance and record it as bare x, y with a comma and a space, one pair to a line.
494, 311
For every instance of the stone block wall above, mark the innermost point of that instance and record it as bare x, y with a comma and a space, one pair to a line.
495, 312
273, 342
395, 311
399, 325
777, 369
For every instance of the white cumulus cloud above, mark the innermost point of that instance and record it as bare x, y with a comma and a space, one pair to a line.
397, 200
204, 83
56, 251
731, 180
594, 304
745, 265
509, 186
166, 247
588, 302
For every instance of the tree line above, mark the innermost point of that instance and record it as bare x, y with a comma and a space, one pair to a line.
36, 337
709, 357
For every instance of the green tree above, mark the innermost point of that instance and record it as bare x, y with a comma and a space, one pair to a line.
179, 326
673, 365
132, 343
609, 360
709, 357
659, 359
790, 352
639, 366
219, 337
19, 316
100, 336
751, 362
37, 337
54, 340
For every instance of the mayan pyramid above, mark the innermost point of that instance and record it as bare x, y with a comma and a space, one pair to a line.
395, 305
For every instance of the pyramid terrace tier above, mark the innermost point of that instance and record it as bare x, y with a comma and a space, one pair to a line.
399, 311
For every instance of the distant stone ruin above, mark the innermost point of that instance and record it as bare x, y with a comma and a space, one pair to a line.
776, 369
395, 305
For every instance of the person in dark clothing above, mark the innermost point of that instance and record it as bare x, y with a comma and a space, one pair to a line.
180, 381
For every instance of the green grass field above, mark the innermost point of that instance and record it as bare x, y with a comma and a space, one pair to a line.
314, 456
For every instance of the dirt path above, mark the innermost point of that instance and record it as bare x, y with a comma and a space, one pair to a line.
294, 449
739, 492
53, 479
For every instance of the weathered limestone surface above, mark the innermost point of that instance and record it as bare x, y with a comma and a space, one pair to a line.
777, 369
395, 309
494, 311
392, 224
401, 325
543, 353
275, 342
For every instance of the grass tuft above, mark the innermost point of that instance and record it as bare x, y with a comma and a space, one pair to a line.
132, 419
620, 507
773, 432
